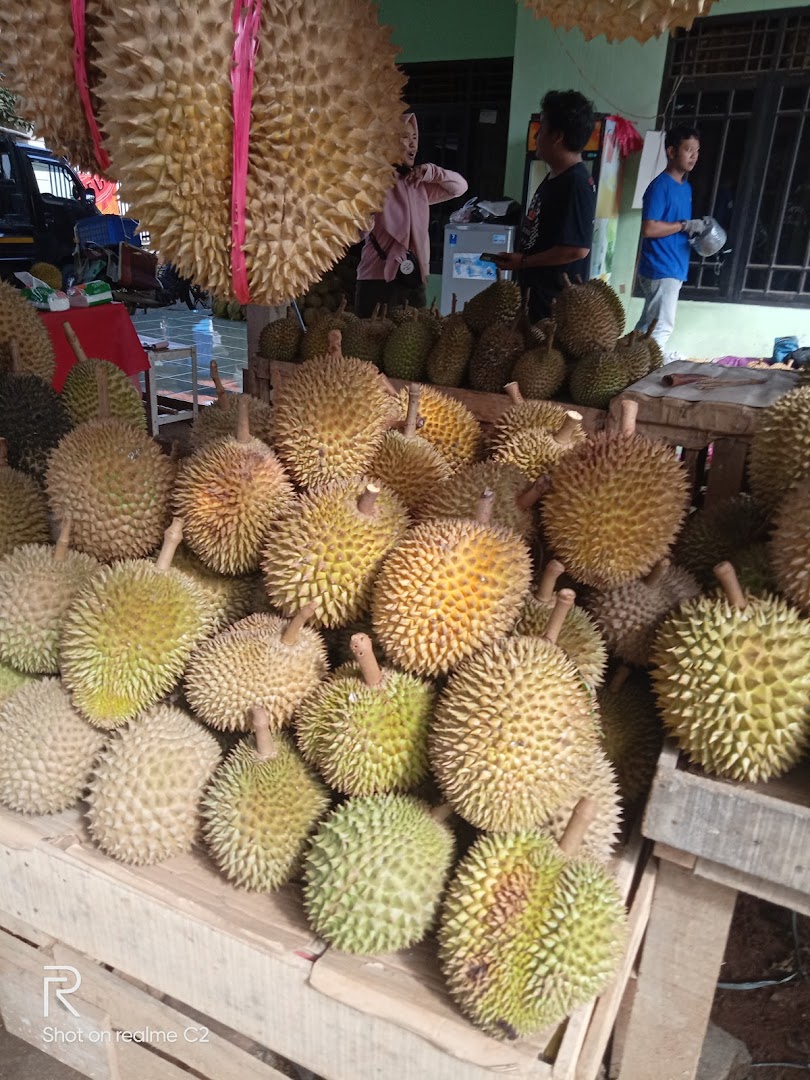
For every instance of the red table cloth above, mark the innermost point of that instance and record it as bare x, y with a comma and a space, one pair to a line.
106, 333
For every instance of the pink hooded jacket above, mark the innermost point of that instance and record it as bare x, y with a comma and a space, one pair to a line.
402, 224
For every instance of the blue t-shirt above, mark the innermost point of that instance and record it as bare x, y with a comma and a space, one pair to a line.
667, 257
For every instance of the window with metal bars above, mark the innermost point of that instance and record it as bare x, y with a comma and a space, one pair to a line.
744, 82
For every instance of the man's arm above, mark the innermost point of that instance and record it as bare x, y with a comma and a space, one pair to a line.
654, 230
559, 255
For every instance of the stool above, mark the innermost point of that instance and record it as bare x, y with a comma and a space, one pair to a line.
175, 351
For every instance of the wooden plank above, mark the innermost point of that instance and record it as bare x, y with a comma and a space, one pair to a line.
766, 890
694, 462
671, 854
726, 472
680, 964
619, 1039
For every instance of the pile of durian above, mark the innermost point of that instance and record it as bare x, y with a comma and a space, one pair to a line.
348, 642
579, 355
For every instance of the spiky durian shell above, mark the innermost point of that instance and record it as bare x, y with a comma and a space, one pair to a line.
580, 638
23, 513
328, 553
410, 467
528, 414
281, 339
535, 451
11, 680
733, 686
629, 615
526, 934
146, 789
499, 302
493, 357
589, 318
32, 421
780, 449
447, 425
80, 394
615, 507
231, 598
407, 348
47, 272
540, 372
631, 733
248, 665
257, 814
448, 589
512, 729
597, 378
229, 494
458, 497
753, 568
115, 484
329, 418
375, 872
790, 547
47, 749
450, 356
598, 782
36, 592
19, 322
218, 420
127, 637
715, 533
367, 740
619, 22
366, 338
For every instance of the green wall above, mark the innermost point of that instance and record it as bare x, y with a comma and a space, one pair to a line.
450, 29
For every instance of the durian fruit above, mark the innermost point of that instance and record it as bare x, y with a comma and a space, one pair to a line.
790, 547
579, 637
281, 339
366, 338
529, 930
732, 680
47, 272
450, 356
259, 809
407, 464
631, 731
458, 497
263, 662
640, 356
780, 448
534, 451
717, 533
620, 20
47, 750
146, 789
11, 680
20, 324
541, 370
499, 302
447, 425
753, 568
599, 780
615, 505
630, 614
114, 483
329, 418
129, 633
375, 873
513, 730
32, 421
494, 355
448, 589
589, 318
231, 598
330, 548
220, 419
524, 414
407, 349
365, 728
402, 313
316, 340
229, 494
38, 583
596, 378
80, 394
23, 513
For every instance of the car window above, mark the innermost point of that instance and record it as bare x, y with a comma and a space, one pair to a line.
54, 180
14, 204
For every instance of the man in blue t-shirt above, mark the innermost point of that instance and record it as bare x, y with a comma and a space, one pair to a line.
666, 226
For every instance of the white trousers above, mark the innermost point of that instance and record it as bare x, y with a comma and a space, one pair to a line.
660, 303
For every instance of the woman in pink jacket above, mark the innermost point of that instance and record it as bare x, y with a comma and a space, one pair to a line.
396, 254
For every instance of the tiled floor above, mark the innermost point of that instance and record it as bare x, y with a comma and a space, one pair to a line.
215, 339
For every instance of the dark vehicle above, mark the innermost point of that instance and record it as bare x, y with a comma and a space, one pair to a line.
41, 199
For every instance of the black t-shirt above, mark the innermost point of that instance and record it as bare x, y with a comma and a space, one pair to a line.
561, 212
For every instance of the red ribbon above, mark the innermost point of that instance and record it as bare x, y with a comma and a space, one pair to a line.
247, 16
77, 13
627, 136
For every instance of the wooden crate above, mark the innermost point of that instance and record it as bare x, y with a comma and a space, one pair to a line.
248, 968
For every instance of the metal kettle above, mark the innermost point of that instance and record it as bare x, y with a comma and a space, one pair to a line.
711, 240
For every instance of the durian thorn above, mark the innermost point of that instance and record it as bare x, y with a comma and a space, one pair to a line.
296, 625
222, 393
442, 812
16, 359
366, 502
3, 454
654, 577
486, 504
74, 343
649, 332
552, 330
172, 538
563, 603
103, 390
548, 581
727, 576
63, 541
414, 393
266, 749
453, 304
513, 390
174, 452
363, 652
583, 815
570, 426
335, 346
629, 415
534, 493
619, 679
387, 385
243, 419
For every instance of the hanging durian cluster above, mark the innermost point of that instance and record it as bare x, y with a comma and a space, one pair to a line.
619, 20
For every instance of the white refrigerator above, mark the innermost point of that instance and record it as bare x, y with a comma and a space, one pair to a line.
463, 272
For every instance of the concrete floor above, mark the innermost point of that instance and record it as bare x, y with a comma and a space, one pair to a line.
19, 1061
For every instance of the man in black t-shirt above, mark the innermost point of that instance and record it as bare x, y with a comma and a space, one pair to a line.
557, 232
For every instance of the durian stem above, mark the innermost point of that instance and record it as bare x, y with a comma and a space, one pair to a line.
548, 581
3, 454
552, 330
567, 282
414, 393
265, 748
16, 360
103, 389
367, 500
619, 679
486, 504
584, 813
385, 311
570, 426
650, 329
335, 347
296, 625
63, 542
376, 312
513, 390
656, 574
453, 304
629, 415
222, 393
74, 343
243, 419
534, 493
171, 541
442, 812
363, 652
727, 576
562, 605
